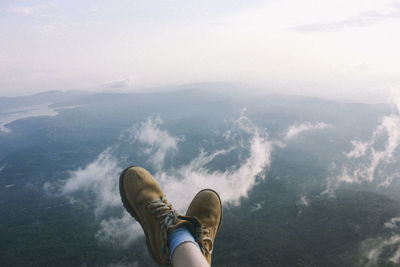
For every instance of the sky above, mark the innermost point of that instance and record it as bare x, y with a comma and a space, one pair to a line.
341, 49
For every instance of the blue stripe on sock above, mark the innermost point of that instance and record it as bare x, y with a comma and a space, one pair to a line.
179, 236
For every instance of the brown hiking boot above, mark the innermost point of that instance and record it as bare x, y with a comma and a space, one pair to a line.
207, 208
143, 199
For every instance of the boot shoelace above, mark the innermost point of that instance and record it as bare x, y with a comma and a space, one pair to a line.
209, 240
166, 216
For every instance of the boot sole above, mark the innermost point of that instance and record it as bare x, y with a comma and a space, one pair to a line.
125, 201
130, 209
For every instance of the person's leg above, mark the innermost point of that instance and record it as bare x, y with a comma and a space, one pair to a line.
188, 254
184, 250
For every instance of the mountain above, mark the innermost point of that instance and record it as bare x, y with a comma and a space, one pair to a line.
39, 98
59, 201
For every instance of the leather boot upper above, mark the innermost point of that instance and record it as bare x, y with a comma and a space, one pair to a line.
207, 208
144, 200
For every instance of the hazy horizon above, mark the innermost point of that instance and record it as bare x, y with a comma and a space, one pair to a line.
238, 89
337, 50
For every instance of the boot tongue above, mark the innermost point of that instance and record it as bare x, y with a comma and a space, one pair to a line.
194, 226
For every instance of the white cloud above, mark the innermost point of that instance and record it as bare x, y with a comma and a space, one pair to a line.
232, 184
296, 129
119, 230
373, 254
396, 257
375, 159
120, 84
393, 223
158, 142
100, 178
362, 19
257, 207
359, 149
2, 167
28, 9
303, 201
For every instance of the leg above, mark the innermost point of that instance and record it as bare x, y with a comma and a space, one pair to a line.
188, 254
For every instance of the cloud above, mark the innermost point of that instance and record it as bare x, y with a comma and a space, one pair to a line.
157, 142
360, 20
396, 257
257, 206
296, 129
375, 159
25, 10
393, 223
2, 167
128, 82
303, 201
302, 204
99, 179
359, 149
375, 253
373, 248
119, 230
28, 10
183, 183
